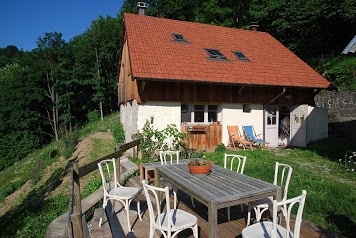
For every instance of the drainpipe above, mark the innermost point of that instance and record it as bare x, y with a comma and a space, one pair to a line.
276, 97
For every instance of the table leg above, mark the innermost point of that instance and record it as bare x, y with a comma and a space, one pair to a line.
141, 173
157, 180
212, 219
278, 197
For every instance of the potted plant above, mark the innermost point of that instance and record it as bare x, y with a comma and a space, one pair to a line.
199, 166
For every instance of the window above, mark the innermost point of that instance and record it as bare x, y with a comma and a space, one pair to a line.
271, 116
203, 114
198, 113
178, 37
212, 113
240, 56
246, 108
215, 54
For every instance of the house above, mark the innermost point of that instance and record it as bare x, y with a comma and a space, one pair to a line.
204, 77
351, 47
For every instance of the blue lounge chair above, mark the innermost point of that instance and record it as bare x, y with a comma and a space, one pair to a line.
250, 134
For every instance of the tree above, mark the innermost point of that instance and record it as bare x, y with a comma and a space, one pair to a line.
307, 27
104, 36
19, 119
49, 54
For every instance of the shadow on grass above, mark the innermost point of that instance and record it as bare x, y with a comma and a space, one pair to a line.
346, 227
18, 217
332, 148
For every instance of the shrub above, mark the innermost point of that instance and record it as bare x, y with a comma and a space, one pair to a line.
93, 116
220, 148
118, 132
70, 141
153, 140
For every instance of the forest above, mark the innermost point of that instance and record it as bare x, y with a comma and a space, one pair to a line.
48, 92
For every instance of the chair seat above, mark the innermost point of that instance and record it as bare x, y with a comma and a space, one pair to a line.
124, 192
263, 230
181, 220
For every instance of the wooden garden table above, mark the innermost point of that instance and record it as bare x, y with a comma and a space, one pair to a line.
221, 188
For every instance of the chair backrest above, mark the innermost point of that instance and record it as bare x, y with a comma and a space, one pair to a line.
234, 133
282, 176
249, 132
155, 209
241, 162
300, 200
168, 155
107, 170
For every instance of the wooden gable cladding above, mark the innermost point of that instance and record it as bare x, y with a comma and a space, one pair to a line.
127, 86
214, 93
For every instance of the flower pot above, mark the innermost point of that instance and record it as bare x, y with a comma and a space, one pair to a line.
200, 169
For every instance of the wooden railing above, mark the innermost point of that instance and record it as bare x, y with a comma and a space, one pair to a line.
76, 221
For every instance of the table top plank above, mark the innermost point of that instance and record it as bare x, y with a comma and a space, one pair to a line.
220, 185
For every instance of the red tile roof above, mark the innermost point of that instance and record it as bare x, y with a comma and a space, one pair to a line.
154, 55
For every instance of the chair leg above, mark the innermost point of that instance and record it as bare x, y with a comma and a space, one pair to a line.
195, 231
191, 199
105, 201
175, 196
139, 209
127, 207
248, 214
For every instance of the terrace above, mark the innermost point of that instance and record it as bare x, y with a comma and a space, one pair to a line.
115, 224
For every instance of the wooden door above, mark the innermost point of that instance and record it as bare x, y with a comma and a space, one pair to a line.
271, 125
298, 125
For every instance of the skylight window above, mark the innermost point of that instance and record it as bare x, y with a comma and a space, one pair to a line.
240, 56
178, 37
215, 54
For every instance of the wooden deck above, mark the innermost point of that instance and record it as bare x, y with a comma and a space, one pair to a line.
226, 229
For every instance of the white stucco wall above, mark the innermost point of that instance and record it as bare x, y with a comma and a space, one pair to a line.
128, 117
232, 114
317, 123
163, 113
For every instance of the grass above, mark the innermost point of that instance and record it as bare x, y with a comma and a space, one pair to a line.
331, 189
34, 209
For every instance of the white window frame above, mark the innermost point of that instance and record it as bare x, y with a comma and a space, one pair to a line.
206, 113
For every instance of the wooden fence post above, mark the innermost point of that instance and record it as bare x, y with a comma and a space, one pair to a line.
76, 217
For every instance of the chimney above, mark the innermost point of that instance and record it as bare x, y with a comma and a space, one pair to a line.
254, 26
141, 6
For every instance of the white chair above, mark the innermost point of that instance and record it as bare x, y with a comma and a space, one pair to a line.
240, 160
282, 176
164, 155
114, 191
168, 155
267, 229
170, 220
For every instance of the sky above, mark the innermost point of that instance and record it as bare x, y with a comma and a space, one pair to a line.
23, 21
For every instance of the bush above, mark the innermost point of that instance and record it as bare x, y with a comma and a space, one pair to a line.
118, 132
70, 141
153, 140
220, 148
93, 116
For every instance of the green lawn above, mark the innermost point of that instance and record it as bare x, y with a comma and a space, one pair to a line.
331, 198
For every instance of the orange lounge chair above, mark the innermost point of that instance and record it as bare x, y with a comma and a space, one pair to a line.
235, 138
